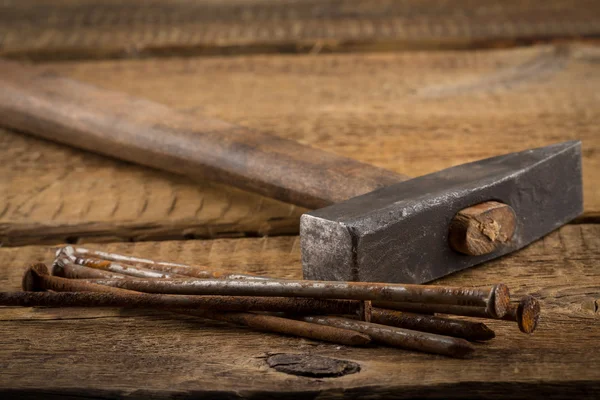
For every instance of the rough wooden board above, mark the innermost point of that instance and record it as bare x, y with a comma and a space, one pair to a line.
74, 29
142, 354
52, 193
413, 113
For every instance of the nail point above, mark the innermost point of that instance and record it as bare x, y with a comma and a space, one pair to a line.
461, 348
486, 333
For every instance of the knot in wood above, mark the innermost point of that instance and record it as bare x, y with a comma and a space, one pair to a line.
312, 366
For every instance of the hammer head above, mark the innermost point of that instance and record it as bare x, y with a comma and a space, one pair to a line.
400, 233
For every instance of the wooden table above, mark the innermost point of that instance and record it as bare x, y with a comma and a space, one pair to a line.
480, 79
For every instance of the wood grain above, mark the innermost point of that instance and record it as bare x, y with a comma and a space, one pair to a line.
413, 113
112, 352
74, 29
482, 228
52, 193
134, 129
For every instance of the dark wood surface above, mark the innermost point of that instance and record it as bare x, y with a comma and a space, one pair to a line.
84, 29
411, 112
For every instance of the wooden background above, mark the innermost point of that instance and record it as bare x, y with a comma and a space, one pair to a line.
413, 86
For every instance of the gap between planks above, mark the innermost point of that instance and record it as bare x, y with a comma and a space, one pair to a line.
52, 30
316, 47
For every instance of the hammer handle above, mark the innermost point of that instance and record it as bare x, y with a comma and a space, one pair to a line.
141, 131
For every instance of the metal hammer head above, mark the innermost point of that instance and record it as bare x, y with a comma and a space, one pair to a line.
400, 233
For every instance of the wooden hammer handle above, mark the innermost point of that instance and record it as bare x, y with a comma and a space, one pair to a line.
141, 131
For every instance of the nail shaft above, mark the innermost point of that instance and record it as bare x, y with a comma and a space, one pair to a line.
262, 322
124, 269
80, 251
399, 337
465, 329
526, 313
170, 268
65, 268
433, 308
527, 319
67, 255
475, 331
450, 327
37, 279
443, 326
286, 326
495, 299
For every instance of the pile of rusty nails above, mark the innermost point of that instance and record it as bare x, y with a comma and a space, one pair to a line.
348, 313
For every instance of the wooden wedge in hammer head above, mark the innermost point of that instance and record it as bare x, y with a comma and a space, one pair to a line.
376, 225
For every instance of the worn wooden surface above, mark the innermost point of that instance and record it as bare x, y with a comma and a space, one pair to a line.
75, 29
413, 113
136, 354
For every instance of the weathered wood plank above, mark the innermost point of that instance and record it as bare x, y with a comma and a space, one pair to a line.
142, 354
58, 29
413, 113
53, 193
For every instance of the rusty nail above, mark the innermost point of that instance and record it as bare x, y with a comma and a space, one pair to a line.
65, 268
68, 254
495, 300
166, 267
77, 293
527, 319
443, 326
399, 337
430, 308
287, 326
498, 299
474, 331
364, 311
36, 278
124, 269
257, 321
499, 292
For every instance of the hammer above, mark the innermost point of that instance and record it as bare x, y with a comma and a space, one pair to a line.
370, 224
